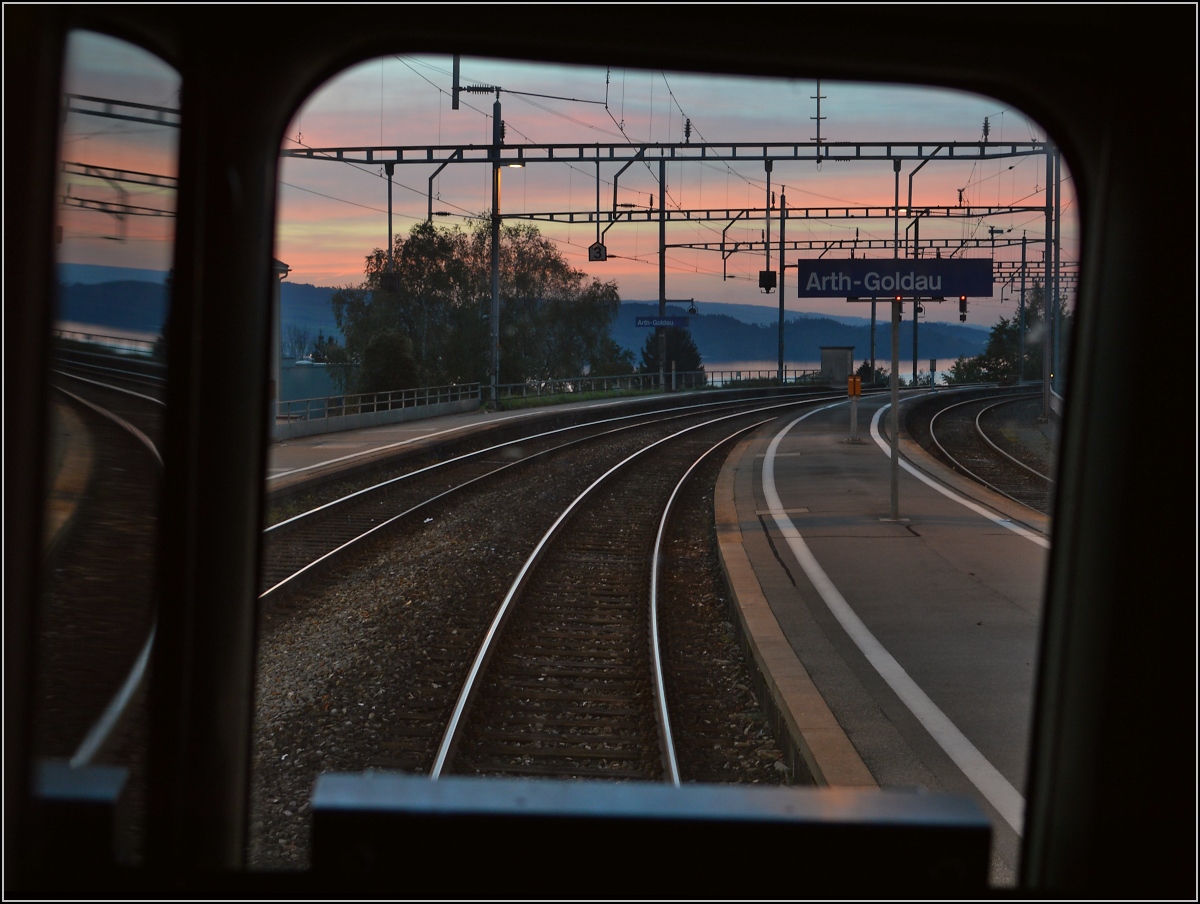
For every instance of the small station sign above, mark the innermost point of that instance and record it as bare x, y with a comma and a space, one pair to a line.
662, 321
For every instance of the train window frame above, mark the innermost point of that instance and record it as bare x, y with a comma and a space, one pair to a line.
1084, 677
369, 76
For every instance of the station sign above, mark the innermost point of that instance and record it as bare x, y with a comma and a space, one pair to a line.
909, 278
662, 321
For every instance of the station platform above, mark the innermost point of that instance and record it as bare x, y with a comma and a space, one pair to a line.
899, 652
296, 461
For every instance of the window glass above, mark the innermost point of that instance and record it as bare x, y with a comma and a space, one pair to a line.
751, 213
114, 232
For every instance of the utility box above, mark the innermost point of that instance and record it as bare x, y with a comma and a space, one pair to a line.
837, 364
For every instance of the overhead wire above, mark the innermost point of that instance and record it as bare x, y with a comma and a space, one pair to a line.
522, 95
373, 175
973, 182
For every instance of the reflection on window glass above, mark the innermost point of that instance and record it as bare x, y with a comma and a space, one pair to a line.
526, 242
115, 227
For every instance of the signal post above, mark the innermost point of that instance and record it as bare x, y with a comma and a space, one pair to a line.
854, 390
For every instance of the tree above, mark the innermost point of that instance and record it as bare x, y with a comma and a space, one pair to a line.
387, 363
610, 360
966, 370
420, 297
864, 373
297, 341
552, 320
681, 349
1002, 356
437, 293
326, 350
1002, 360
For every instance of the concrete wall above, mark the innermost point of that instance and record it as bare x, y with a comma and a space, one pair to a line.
308, 381
837, 363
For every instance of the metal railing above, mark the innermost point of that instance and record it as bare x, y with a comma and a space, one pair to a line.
791, 376
371, 402
680, 380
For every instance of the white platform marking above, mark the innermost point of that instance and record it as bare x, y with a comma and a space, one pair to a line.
982, 774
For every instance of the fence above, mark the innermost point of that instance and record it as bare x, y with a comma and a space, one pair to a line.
305, 417
700, 379
531, 389
766, 375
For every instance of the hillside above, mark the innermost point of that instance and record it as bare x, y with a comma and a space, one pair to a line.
722, 338
723, 332
142, 306
122, 305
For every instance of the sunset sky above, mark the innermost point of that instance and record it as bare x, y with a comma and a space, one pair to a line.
332, 214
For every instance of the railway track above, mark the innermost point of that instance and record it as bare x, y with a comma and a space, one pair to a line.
573, 686
365, 655
295, 547
994, 442
388, 636
97, 604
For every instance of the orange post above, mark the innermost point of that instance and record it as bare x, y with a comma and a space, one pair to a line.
854, 390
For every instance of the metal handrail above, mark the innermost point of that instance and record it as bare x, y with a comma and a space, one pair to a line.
700, 379
370, 402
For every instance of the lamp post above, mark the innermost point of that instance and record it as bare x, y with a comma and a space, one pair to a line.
497, 141
915, 225
894, 414
495, 309
916, 242
1047, 290
1021, 347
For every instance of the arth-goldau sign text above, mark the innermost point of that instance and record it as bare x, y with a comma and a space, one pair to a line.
662, 321
882, 278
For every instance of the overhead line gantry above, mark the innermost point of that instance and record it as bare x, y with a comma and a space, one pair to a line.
726, 152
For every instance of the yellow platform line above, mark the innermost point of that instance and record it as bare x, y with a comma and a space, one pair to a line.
820, 740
